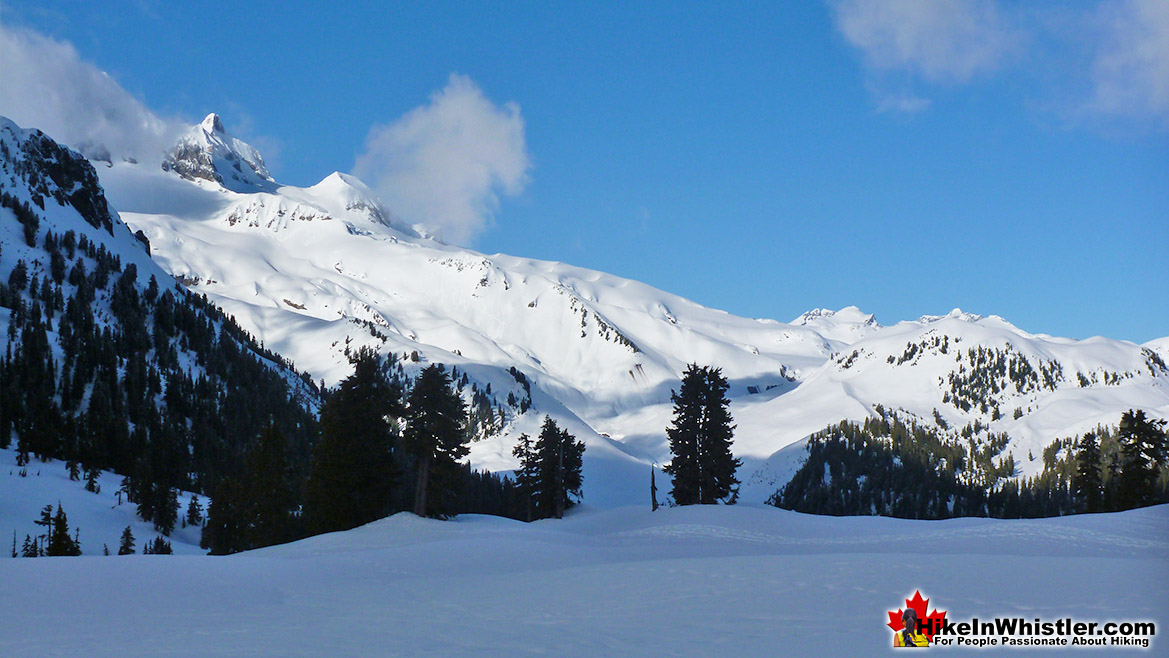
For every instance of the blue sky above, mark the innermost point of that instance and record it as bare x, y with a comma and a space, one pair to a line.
763, 158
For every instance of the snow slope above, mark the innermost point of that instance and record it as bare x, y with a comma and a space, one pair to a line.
316, 271
697, 581
100, 517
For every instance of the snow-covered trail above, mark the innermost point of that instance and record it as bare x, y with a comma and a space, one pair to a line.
737, 581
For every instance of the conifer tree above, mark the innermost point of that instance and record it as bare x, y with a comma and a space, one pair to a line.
1112, 481
700, 436
167, 512
435, 437
714, 446
46, 519
157, 546
1087, 479
559, 459
525, 475
270, 494
225, 532
1143, 451
127, 545
60, 543
91, 484
353, 469
194, 511
685, 466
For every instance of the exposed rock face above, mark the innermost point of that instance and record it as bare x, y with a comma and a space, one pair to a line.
209, 153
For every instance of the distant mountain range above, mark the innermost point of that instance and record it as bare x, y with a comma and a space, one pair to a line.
314, 273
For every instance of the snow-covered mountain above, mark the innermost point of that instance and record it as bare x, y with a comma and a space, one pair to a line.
314, 272
208, 153
108, 361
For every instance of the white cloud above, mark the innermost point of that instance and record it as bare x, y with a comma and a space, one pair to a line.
1130, 74
938, 40
45, 84
444, 165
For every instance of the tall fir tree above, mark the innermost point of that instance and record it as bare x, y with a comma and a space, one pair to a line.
525, 475
60, 543
559, 462
46, 522
194, 515
1143, 449
354, 469
270, 491
225, 531
714, 446
685, 467
1087, 479
126, 546
700, 437
435, 437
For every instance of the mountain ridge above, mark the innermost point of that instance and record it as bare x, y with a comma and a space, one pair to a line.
316, 272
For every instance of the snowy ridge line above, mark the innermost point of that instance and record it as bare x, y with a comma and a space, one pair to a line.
602, 353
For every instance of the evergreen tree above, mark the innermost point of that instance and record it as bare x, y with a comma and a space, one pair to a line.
700, 438
127, 545
714, 446
46, 520
1143, 452
91, 484
353, 469
225, 532
157, 546
167, 512
194, 511
685, 466
1087, 480
525, 475
435, 437
559, 458
1112, 482
60, 543
270, 494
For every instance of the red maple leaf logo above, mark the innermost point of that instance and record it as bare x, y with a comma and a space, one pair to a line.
919, 606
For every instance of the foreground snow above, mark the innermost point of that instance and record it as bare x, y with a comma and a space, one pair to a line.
724, 581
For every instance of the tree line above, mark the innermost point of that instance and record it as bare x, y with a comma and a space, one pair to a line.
890, 466
386, 445
1123, 472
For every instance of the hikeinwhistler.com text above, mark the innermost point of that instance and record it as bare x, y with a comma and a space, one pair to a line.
1020, 632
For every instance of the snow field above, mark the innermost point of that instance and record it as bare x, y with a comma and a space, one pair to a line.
697, 581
